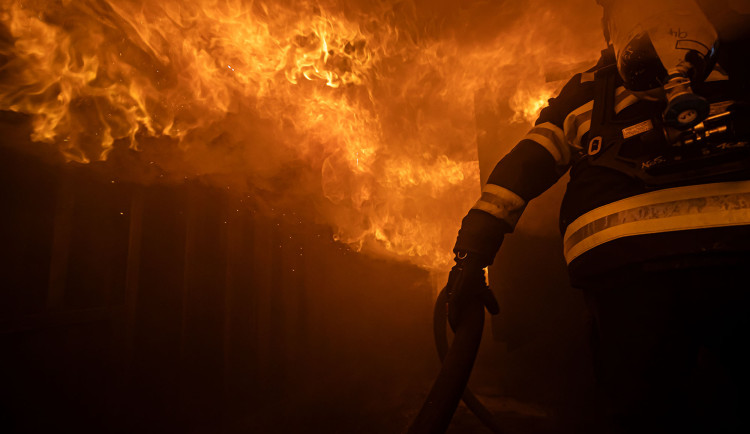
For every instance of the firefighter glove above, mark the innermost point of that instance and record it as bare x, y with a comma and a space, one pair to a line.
465, 281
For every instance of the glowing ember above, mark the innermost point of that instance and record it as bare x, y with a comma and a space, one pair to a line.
377, 100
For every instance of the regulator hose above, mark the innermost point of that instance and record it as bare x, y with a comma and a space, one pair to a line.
458, 360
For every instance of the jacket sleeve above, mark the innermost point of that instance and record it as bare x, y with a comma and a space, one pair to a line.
529, 169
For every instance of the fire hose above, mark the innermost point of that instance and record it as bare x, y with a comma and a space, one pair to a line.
458, 360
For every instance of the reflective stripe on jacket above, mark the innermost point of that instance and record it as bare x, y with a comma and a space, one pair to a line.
673, 209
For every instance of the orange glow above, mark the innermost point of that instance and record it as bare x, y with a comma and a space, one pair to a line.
377, 100
528, 103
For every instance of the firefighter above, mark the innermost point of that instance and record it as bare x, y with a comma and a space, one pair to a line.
656, 215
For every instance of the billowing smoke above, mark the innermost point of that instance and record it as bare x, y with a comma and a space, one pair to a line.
360, 113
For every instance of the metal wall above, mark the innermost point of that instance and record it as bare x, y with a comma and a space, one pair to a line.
180, 308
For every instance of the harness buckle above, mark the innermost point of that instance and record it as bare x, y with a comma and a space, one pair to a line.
595, 145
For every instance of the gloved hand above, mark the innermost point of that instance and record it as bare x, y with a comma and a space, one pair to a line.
465, 281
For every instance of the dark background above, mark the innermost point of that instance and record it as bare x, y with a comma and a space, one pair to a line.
183, 307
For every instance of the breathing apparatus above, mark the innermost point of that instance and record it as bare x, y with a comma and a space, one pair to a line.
663, 48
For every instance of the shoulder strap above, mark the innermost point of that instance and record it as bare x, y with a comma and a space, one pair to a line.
605, 79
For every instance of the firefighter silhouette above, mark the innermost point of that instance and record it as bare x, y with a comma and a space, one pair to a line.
656, 215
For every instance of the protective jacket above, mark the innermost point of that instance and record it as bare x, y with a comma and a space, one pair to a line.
697, 209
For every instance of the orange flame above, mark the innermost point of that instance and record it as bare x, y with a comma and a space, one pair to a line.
377, 99
528, 103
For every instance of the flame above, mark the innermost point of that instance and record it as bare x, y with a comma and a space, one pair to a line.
528, 103
377, 99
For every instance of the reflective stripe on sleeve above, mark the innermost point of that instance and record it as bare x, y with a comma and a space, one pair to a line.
673, 209
501, 203
577, 123
583, 128
624, 99
551, 137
